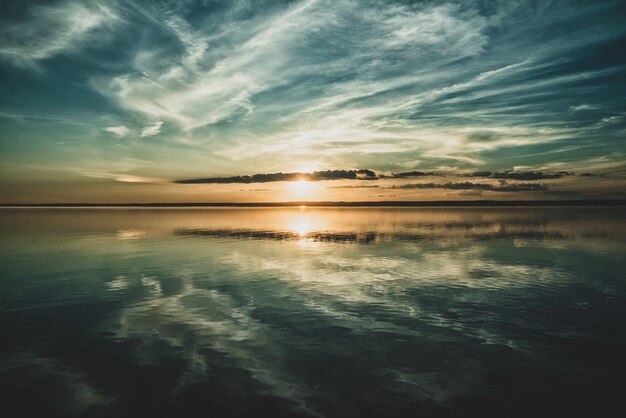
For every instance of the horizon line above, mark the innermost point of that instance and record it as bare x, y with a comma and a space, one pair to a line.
399, 203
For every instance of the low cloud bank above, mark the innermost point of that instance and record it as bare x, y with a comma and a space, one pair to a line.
502, 186
274, 177
365, 174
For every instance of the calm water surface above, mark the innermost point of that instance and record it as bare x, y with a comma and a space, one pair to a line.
313, 312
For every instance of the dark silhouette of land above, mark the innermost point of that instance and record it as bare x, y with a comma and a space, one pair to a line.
452, 203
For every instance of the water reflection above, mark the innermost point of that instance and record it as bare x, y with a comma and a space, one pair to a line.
287, 312
129, 224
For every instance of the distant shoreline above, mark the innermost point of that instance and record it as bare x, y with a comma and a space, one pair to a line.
452, 203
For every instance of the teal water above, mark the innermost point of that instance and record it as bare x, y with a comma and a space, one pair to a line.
333, 312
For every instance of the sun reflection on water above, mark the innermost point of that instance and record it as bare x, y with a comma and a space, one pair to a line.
301, 227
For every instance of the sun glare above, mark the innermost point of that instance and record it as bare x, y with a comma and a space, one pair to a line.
301, 187
301, 228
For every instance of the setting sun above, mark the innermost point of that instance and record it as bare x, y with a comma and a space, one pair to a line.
301, 188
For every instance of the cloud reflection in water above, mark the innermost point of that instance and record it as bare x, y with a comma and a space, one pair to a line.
328, 312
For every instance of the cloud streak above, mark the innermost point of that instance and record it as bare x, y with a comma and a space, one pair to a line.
53, 30
522, 175
120, 131
502, 186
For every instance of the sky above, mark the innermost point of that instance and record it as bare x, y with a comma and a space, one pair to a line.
257, 101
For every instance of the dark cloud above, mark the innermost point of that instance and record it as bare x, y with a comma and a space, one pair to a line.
481, 174
453, 186
502, 186
519, 187
407, 174
365, 174
470, 193
274, 177
359, 186
521, 175
592, 175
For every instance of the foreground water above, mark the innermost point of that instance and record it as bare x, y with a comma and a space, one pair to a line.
353, 312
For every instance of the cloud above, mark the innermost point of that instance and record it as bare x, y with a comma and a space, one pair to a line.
365, 174
275, 177
151, 130
195, 85
470, 193
581, 107
120, 131
408, 174
519, 187
521, 175
613, 164
123, 177
126, 178
502, 186
611, 120
358, 186
52, 30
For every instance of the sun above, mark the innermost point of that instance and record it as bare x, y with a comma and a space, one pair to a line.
300, 187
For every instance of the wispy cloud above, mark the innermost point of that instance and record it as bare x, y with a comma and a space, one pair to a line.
126, 178
217, 82
52, 30
581, 107
120, 131
611, 120
151, 130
